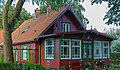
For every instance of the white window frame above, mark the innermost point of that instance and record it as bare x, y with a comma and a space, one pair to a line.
47, 56
99, 48
66, 27
78, 56
63, 56
105, 47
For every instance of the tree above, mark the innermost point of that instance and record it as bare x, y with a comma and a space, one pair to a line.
113, 32
113, 14
8, 27
23, 16
116, 46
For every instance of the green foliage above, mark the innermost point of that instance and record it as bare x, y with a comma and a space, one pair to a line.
113, 14
1, 57
42, 9
115, 55
9, 66
116, 46
25, 66
113, 32
62, 68
28, 66
23, 16
115, 58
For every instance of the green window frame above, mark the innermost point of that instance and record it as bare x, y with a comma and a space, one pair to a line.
49, 48
66, 27
25, 52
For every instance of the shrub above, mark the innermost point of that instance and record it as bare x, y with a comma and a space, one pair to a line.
115, 57
1, 57
9, 66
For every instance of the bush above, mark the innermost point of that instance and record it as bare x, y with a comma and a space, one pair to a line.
9, 66
1, 57
115, 57
25, 66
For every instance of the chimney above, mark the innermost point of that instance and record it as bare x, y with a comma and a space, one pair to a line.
36, 13
48, 9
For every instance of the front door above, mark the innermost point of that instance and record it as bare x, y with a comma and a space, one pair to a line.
87, 51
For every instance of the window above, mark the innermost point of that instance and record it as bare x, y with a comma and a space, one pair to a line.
15, 52
76, 49
105, 45
65, 49
66, 27
49, 48
25, 53
97, 49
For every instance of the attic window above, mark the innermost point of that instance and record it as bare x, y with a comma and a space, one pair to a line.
66, 27
25, 30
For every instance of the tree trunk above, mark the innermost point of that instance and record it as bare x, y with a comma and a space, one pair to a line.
7, 40
8, 27
8, 49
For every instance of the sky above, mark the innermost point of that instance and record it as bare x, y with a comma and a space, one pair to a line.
95, 14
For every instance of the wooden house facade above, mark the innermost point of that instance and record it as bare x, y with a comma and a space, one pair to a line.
59, 39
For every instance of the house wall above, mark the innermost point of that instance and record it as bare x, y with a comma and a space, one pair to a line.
32, 51
52, 63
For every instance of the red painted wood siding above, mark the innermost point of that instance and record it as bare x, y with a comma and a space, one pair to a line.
53, 63
64, 18
32, 51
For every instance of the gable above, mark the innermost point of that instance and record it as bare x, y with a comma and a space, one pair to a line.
67, 17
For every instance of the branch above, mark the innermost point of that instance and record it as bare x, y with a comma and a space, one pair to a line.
16, 14
5, 12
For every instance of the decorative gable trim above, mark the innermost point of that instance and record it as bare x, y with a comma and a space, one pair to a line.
68, 8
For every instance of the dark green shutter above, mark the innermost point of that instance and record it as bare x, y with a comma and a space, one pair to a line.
27, 52
21, 52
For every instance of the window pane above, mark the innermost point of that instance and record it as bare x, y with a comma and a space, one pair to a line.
66, 27
65, 48
25, 52
76, 49
97, 47
105, 48
49, 48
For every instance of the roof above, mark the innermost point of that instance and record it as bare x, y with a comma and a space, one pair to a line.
80, 32
30, 29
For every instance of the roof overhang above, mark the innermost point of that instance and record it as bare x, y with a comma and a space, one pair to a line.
79, 32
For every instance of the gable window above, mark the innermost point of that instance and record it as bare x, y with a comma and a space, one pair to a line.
66, 27
105, 45
25, 52
97, 49
49, 48
75, 49
65, 49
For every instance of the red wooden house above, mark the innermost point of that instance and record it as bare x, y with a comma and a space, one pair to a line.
59, 39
